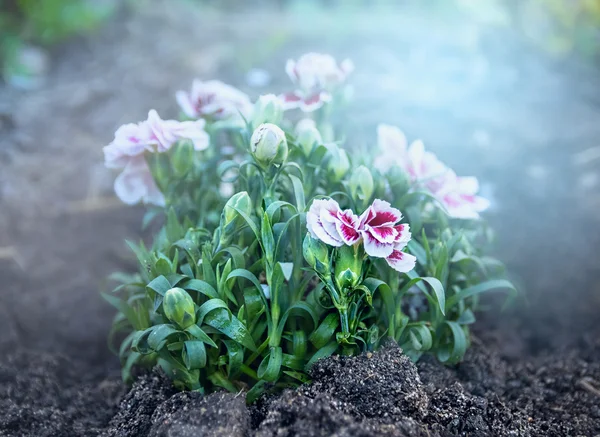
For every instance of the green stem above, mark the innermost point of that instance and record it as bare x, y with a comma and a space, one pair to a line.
248, 371
259, 351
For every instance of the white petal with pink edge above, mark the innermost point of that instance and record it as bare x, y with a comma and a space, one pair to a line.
401, 262
375, 248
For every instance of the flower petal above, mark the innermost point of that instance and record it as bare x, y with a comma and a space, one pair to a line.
376, 248
401, 261
384, 214
321, 221
135, 184
403, 236
383, 234
185, 103
347, 227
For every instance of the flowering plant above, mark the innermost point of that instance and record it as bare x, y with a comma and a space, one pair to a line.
278, 249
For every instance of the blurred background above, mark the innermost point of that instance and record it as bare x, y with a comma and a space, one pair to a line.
505, 90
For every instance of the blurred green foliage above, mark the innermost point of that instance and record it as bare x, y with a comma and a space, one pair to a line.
43, 22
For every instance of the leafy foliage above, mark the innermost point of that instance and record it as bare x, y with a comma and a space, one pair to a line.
235, 293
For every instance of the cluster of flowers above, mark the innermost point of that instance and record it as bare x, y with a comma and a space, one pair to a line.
258, 271
457, 194
135, 183
377, 228
317, 76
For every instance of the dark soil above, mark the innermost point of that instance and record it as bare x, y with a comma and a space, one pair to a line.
382, 393
525, 124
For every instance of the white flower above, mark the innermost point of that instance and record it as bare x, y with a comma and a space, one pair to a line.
214, 99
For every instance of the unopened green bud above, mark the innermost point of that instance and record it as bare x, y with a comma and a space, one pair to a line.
361, 184
230, 217
179, 307
183, 157
239, 201
316, 255
399, 181
307, 135
267, 109
338, 163
348, 266
268, 145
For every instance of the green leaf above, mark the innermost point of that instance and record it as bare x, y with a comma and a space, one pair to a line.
374, 284
256, 392
466, 318
216, 314
297, 375
249, 221
173, 227
196, 332
454, 351
326, 330
298, 192
417, 250
267, 239
421, 338
132, 359
483, 287
323, 352
270, 366
160, 285
235, 354
140, 342
276, 206
299, 308
200, 286
194, 354
159, 336
436, 286
209, 306
246, 274
300, 343
208, 274
163, 265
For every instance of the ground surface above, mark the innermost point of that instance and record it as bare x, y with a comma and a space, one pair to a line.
526, 125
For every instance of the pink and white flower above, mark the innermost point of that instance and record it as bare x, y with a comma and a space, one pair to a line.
316, 76
135, 184
457, 194
414, 159
383, 237
377, 228
127, 151
328, 223
214, 99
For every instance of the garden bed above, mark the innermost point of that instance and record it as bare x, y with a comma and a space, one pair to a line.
531, 371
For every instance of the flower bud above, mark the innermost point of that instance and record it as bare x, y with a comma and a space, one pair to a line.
230, 218
338, 163
183, 157
348, 266
316, 255
267, 109
268, 145
179, 307
399, 181
361, 184
307, 135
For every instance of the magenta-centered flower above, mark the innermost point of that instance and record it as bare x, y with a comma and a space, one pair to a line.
377, 228
327, 222
316, 76
131, 141
457, 194
214, 99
